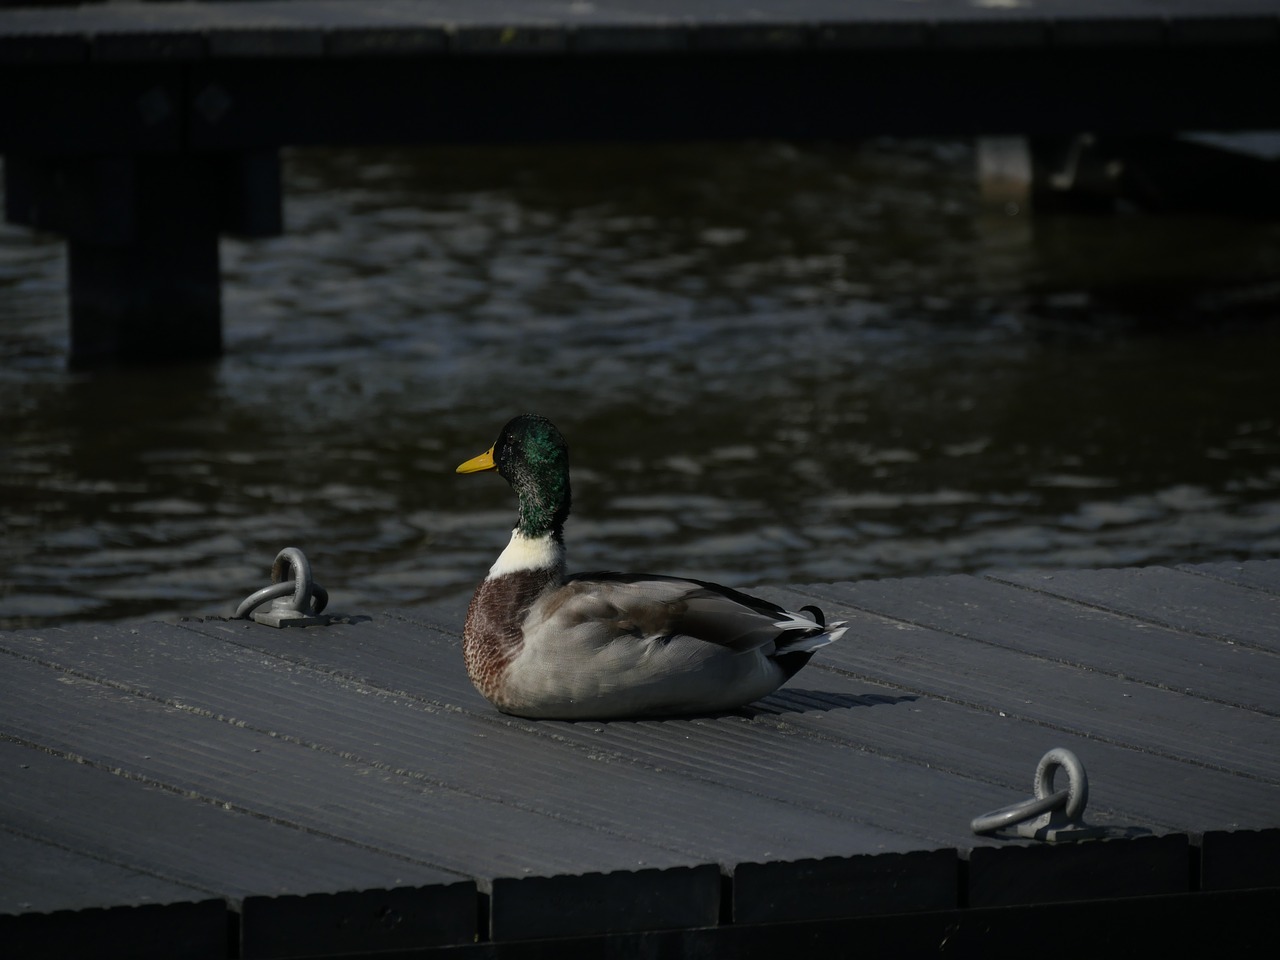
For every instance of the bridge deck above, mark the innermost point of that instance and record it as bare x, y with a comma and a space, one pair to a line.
344, 789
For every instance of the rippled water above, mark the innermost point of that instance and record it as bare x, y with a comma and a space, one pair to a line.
772, 363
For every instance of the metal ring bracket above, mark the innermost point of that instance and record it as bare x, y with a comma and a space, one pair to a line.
296, 599
1049, 815
1077, 782
1018, 812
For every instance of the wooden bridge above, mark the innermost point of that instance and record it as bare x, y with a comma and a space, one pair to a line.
143, 131
217, 788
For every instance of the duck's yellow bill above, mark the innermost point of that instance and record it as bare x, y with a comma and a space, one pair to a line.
476, 464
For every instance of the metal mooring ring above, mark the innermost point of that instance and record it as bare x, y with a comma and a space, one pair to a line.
308, 597
1077, 782
1071, 801
304, 588
1018, 812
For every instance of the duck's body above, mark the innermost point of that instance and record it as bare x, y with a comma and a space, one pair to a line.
609, 645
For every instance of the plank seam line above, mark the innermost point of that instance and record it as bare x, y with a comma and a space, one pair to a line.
352, 757
321, 668
1084, 734
960, 773
611, 755
1197, 571
233, 806
1127, 615
1004, 713
608, 754
316, 666
1060, 661
615, 755
811, 735
99, 857
422, 622
968, 775
814, 736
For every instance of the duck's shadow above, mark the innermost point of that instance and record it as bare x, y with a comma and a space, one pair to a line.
781, 702
798, 700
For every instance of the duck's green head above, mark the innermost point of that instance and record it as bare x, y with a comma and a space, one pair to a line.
531, 455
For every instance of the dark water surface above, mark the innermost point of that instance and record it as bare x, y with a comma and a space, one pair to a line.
772, 363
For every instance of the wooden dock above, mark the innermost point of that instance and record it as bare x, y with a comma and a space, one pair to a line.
218, 788
143, 131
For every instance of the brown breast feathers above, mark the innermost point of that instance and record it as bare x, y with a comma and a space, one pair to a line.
492, 636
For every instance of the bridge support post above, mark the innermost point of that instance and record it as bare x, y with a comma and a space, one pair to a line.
142, 235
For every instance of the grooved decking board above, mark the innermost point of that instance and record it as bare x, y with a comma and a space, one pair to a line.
1173, 598
40, 877
316, 887
1087, 678
387, 811
394, 731
1003, 745
1053, 629
1259, 574
351, 783
1057, 666
172, 837
829, 747
1141, 764
787, 801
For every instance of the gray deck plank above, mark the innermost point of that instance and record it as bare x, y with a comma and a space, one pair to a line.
1129, 781
1059, 629
728, 755
1134, 738
848, 792
41, 877
392, 732
935, 789
182, 840
407, 657
317, 888
861, 717
390, 812
1072, 698
180, 670
1259, 574
1130, 785
924, 793
1171, 598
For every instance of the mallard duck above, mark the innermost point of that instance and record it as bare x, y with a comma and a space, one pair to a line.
611, 645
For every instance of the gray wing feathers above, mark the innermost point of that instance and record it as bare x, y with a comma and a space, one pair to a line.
655, 607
